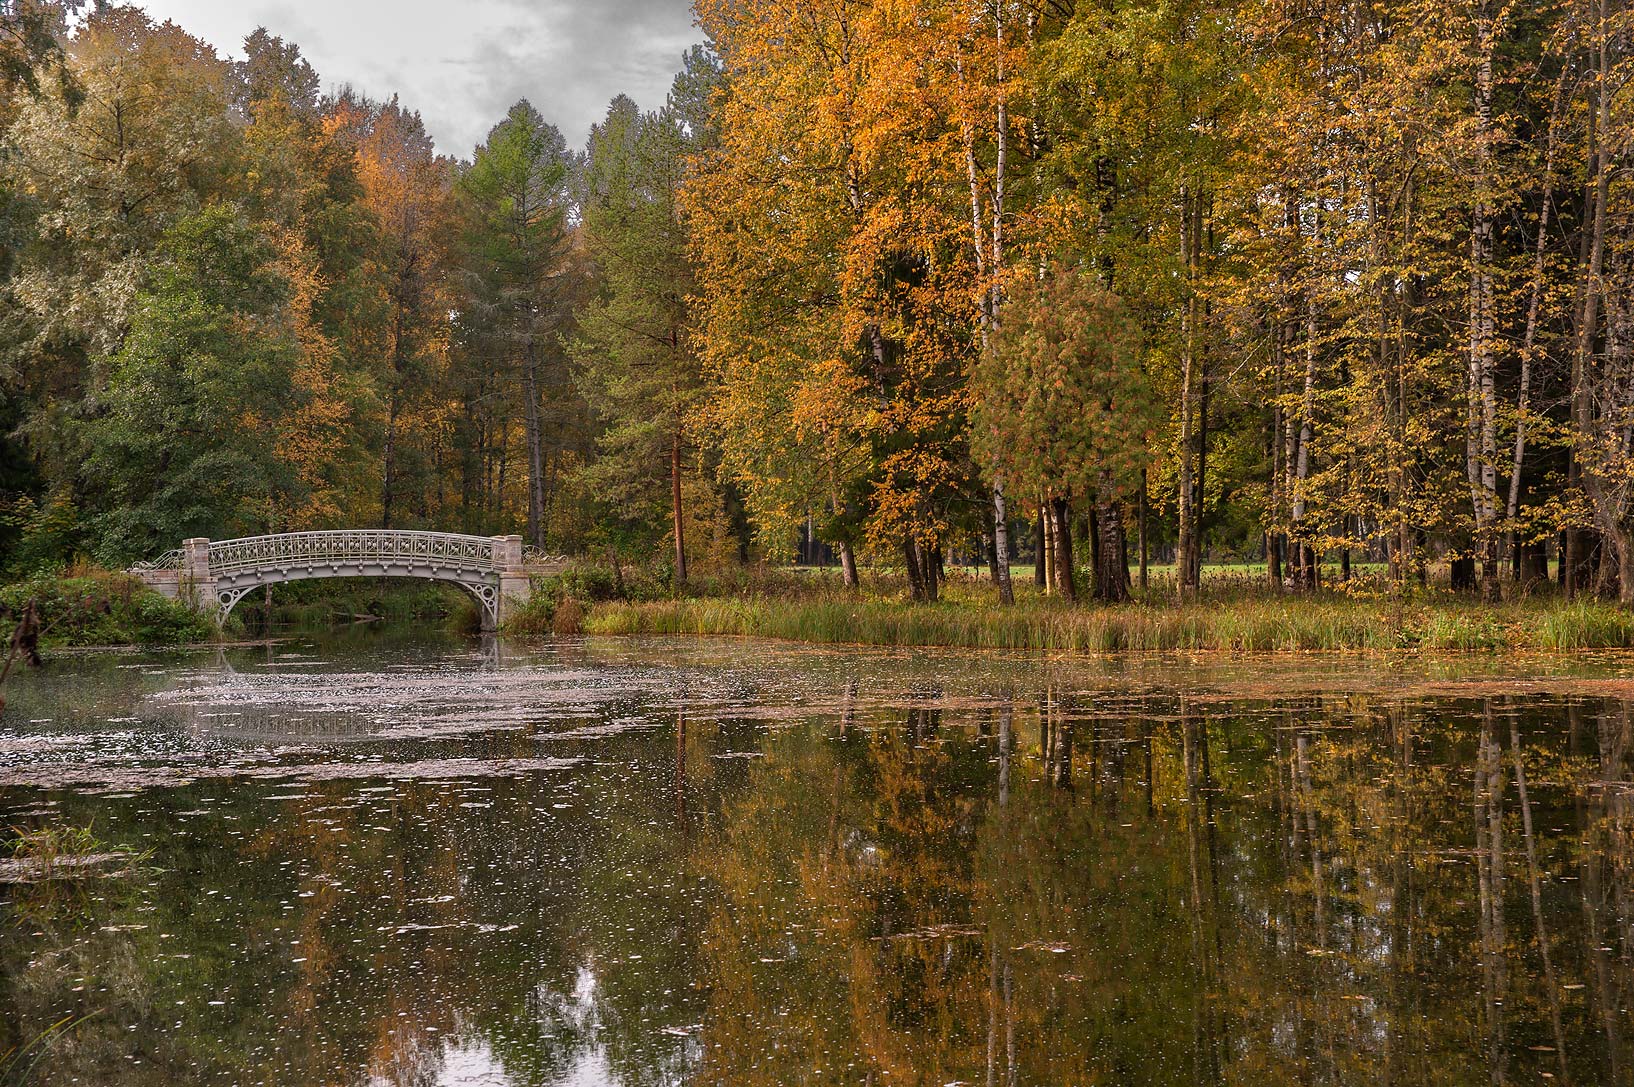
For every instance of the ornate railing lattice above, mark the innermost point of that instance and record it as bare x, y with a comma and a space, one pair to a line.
353, 546
533, 556
170, 560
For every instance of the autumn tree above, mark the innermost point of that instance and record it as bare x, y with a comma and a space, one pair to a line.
147, 144
1139, 96
407, 189
300, 186
31, 49
832, 229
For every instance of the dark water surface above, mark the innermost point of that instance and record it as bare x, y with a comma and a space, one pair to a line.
369, 860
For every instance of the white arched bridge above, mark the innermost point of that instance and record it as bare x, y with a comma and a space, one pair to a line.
496, 570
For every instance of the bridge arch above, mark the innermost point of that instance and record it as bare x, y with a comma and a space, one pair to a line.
496, 570
484, 595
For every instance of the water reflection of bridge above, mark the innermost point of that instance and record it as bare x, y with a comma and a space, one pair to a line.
256, 725
223, 702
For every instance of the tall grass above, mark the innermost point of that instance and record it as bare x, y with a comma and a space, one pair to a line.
1235, 623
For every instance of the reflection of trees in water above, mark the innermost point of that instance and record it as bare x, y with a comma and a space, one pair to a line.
1090, 887
350, 934
1175, 890
75, 958
1605, 877
1489, 868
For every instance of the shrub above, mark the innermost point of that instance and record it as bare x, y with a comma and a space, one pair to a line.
86, 606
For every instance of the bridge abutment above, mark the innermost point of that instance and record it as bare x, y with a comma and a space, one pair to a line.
515, 586
197, 585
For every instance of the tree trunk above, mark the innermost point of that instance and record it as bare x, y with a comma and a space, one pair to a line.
536, 448
1600, 384
1061, 523
848, 564
910, 560
1534, 307
1111, 584
1305, 572
675, 502
394, 396
1592, 256
388, 478
926, 561
1141, 528
1001, 548
1092, 524
502, 470
1040, 553
1200, 478
1625, 568
1273, 537
988, 244
1185, 482
848, 558
1481, 422
1046, 515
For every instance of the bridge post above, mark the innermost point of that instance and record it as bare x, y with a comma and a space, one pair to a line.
515, 587
196, 585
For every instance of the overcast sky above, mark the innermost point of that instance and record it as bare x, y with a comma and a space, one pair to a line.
463, 64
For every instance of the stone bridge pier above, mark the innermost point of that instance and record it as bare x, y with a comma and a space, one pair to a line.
216, 574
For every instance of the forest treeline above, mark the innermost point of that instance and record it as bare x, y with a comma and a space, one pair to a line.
1323, 281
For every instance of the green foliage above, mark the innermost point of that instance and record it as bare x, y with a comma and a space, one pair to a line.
180, 442
47, 843
40, 533
635, 362
31, 47
231, 305
515, 184
1062, 402
566, 596
110, 172
519, 284
96, 607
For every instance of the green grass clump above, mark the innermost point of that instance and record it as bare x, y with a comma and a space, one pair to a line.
87, 606
1591, 625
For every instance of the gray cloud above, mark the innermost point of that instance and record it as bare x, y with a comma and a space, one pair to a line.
462, 66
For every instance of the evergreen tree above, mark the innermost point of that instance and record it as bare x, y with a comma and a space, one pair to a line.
634, 350
517, 260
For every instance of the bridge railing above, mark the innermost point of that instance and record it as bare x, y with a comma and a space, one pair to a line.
170, 560
353, 546
533, 556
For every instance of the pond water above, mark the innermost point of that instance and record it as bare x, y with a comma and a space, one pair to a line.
376, 859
